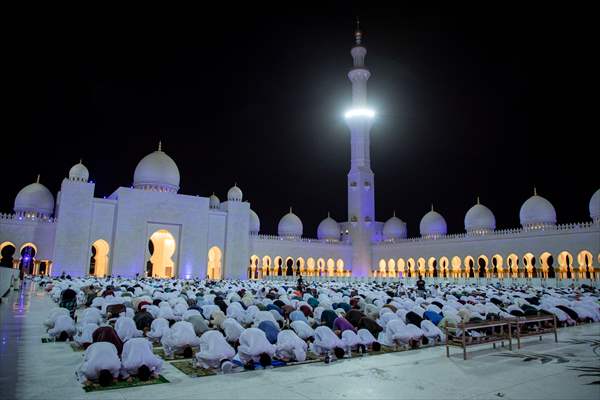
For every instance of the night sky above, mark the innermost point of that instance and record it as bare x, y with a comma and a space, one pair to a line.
477, 102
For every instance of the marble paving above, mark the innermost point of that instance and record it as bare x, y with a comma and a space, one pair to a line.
30, 369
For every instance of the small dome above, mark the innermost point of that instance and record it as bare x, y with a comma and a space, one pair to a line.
479, 218
35, 198
158, 172
433, 224
394, 228
79, 172
595, 206
328, 230
537, 211
290, 226
234, 194
254, 222
213, 201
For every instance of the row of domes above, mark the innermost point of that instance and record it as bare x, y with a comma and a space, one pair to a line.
158, 172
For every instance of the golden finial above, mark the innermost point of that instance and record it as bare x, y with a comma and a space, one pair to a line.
290, 209
38, 179
159, 145
431, 206
394, 213
534, 191
478, 200
81, 161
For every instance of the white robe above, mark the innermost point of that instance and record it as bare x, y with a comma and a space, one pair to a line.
213, 349
290, 346
90, 315
126, 329
178, 337
138, 352
63, 323
97, 357
350, 339
158, 328
253, 342
431, 331
232, 329
302, 329
366, 337
85, 332
325, 340
54, 314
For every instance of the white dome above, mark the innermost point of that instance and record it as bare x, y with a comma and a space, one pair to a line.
394, 228
595, 206
290, 226
479, 218
254, 222
213, 201
35, 198
328, 229
79, 172
157, 171
234, 194
433, 224
537, 211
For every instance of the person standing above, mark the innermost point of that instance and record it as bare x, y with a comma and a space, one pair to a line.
421, 287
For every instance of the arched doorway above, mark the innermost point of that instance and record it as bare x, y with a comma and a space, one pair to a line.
27, 261
586, 269
456, 264
99, 258
565, 260
320, 267
513, 265
432, 263
289, 266
339, 266
497, 270
444, 262
469, 265
411, 267
215, 267
7, 252
310, 264
401, 264
161, 247
482, 264
330, 267
382, 270
266, 266
278, 268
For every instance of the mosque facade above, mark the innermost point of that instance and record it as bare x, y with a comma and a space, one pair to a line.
150, 229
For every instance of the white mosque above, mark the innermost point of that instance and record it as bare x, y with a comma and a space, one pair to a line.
150, 229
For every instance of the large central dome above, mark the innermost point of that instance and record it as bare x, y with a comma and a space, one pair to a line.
157, 172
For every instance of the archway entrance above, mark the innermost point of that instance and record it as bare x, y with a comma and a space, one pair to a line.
99, 258
7, 251
161, 247
215, 268
27, 258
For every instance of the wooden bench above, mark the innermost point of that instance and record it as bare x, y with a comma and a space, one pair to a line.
464, 341
543, 324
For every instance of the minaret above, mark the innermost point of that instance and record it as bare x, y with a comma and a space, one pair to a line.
361, 188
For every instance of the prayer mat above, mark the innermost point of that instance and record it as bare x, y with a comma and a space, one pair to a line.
161, 353
188, 368
47, 340
124, 384
76, 347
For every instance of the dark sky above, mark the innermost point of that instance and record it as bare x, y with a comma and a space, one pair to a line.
470, 102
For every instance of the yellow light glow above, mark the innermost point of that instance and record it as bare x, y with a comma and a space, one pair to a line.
360, 112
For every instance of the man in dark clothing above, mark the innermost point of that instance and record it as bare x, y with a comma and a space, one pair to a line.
421, 287
413, 318
143, 319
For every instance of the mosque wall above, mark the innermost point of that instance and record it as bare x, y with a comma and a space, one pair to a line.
216, 228
103, 219
19, 232
139, 211
520, 243
73, 228
237, 228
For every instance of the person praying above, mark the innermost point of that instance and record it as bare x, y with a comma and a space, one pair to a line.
139, 360
100, 364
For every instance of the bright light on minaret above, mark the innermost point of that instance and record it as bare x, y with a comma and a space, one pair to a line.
360, 112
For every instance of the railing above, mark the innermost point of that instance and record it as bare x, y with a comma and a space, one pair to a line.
300, 239
22, 219
574, 227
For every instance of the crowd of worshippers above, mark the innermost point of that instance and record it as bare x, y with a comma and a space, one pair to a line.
235, 325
